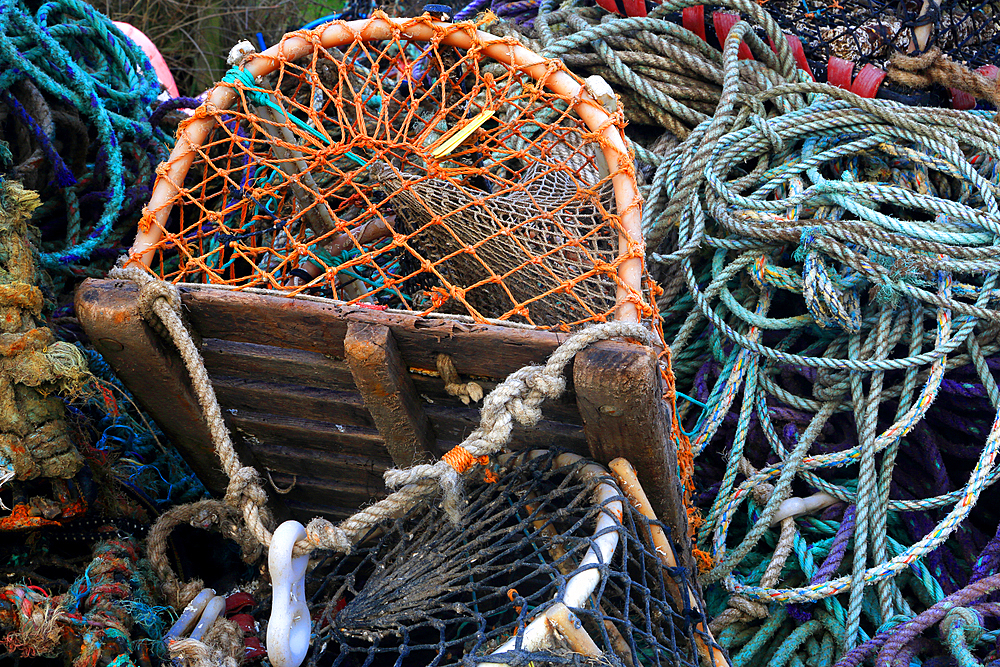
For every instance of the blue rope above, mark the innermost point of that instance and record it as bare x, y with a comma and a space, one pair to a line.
77, 56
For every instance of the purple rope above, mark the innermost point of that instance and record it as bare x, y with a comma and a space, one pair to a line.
63, 176
470, 10
838, 548
986, 564
173, 105
893, 641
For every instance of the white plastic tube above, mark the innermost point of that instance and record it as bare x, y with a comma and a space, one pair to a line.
582, 584
190, 615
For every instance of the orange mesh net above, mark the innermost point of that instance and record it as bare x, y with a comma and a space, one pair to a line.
402, 172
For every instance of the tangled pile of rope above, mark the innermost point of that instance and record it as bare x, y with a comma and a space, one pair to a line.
34, 435
836, 256
80, 123
97, 620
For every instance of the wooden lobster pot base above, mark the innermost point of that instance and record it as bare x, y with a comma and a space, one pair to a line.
322, 397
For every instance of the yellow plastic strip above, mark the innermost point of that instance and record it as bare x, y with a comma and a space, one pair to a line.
461, 135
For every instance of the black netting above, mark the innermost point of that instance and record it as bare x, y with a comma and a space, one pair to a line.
870, 31
422, 591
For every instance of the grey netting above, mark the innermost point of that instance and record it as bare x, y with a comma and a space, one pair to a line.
421, 591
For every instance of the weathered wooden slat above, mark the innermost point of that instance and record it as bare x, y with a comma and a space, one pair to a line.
152, 370
389, 394
305, 512
287, 460
620, 394
452, 425
321, 327
315, 403
263, 428
291, 366
321, 491
274, 364
347, 410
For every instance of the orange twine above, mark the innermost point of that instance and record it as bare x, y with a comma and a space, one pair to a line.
685, 462
511, 594
461, 459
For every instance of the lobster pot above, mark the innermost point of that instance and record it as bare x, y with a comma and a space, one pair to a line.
407, 164
423, 590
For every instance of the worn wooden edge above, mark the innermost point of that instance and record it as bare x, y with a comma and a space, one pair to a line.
109, 312
321, 327
620, 394
390, 396
312, 369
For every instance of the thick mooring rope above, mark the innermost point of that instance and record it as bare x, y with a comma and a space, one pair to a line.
864, 236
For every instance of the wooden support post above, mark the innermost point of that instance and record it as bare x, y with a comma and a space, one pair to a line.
384, 382
155, 373
620, 396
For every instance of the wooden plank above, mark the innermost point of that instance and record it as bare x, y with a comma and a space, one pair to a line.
389, 395
316, 463
274, 364
315, 403
152, 370
619, 391
291, 366
452, 425
321, 327
322, 492
261, 428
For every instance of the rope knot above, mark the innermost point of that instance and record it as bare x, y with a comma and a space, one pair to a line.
549, 386
324, 535
965, 618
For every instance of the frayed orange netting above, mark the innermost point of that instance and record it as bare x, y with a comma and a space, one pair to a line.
402, 173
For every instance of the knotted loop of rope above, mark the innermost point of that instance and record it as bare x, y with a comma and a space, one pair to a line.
934, 67
517, 399
968, 620
752, 110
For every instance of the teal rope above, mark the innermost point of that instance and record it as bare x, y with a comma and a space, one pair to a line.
252, 91
51, 48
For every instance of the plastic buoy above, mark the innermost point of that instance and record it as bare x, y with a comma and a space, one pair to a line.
962, 100
798, 52
724, 22
839, 72
867, 81
163, 72
693, 19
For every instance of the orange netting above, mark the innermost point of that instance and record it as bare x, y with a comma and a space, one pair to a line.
403, 173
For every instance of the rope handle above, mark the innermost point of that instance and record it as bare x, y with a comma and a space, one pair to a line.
517, 399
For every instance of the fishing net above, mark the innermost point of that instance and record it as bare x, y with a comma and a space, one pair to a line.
412, 172
552, 529
870, 31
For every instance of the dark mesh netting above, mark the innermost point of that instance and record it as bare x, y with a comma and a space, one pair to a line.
423, 591
871, 31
